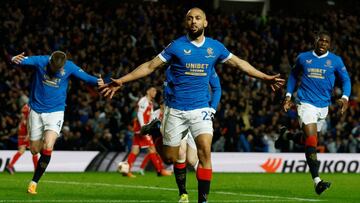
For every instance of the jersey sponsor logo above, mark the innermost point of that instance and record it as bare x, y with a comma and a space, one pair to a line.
316, 73
196, 69
210, 53
53, 82
309, 61
271, 165
328, 63
187, 52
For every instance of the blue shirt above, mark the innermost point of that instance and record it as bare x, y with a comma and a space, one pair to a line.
215, 88
49, 94
191, 67
318, 78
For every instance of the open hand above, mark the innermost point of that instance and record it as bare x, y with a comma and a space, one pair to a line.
344, 104
287, 104
108, 90
18, 58
275, 82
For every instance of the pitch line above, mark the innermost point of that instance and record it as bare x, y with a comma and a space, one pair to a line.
173, 189
129, 201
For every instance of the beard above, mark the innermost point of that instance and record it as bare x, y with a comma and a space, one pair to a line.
196, 34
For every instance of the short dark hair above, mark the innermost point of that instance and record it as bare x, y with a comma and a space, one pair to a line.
322, 32
57, 59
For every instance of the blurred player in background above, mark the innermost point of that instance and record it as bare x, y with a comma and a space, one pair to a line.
317, 70
47, 103
144, 114
191, 59
23, 140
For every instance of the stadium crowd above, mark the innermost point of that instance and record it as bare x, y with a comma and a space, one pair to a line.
112, 38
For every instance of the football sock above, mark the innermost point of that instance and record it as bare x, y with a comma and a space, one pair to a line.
311, 157
131, 159
180, 177
204, 178
35, 160
14, 159
145, 161
155, 160
317, 180
160, 160
43, 163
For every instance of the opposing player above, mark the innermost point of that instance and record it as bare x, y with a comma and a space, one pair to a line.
47, 103
23, 140
191, 59
144, 113
317, 69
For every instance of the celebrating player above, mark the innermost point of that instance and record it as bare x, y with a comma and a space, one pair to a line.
23, 140
191, 59
47, 103
317, 69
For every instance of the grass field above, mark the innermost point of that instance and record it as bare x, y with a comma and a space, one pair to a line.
225, 187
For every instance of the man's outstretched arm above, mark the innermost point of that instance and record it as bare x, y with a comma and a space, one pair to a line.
274, 80
108, 90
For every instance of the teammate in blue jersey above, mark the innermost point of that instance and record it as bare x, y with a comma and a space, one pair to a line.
47, 103
191, 59
317, 71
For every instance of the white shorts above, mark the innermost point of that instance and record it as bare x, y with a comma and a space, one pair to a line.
176, 124
312, 114
189, 140
40, 122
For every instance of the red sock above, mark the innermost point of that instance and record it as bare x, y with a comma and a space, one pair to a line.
203, 176
35, 160
14, 159
145, 161
156, 161
180, 165
160, 160
131, 159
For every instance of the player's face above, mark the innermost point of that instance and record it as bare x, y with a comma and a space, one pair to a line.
152, 92
322, 44
195, 23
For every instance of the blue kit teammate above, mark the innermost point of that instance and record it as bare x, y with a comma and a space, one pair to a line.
316, 70
191, 59
47, 103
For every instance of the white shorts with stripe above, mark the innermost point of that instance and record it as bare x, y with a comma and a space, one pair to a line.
41, 122
177, 123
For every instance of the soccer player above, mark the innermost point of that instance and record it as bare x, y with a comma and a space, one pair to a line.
23, 140
191, 59
144, 112
317, 69
47, 103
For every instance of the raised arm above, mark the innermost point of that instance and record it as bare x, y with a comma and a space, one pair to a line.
82, 75
36, 61
108, 90
274, 80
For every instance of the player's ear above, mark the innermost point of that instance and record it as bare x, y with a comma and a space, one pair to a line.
205, 23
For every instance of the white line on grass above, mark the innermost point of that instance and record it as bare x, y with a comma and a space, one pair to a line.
278, 198
130, 201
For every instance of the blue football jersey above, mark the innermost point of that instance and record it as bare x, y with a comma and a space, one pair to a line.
190, 68
215, 89
318, 78
49, 94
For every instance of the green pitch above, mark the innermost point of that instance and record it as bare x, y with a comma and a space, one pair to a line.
225, 187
